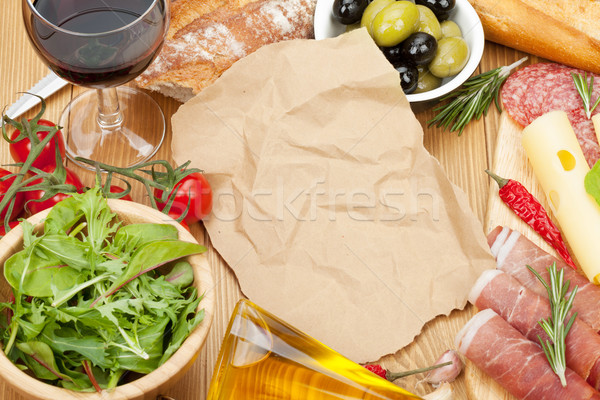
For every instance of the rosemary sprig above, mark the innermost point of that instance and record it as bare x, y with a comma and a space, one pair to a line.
585, 92
555, 326
473, 99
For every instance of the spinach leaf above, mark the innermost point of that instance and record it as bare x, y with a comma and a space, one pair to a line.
41, 274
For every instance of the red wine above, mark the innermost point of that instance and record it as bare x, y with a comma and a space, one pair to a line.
98, 43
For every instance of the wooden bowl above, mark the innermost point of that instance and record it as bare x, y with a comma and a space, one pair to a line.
148, 386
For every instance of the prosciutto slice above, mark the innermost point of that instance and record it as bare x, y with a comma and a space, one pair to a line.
522, 309
515, 362
514, 252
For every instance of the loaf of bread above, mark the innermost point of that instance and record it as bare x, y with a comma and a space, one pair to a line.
207, 36
565, 31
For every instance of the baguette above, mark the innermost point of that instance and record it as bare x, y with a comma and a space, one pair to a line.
200, 48
564, 31
183, 12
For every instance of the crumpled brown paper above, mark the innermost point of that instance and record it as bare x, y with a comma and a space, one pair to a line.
327, 206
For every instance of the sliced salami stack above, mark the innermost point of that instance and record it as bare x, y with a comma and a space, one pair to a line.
539, 88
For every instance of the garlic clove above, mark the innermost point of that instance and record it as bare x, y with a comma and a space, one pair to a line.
447, 373
444, 392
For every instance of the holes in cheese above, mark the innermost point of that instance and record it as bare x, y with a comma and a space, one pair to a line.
560, 168
566, 160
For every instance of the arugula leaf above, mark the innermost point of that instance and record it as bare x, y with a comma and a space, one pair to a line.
98, 217
183, 328
64, 339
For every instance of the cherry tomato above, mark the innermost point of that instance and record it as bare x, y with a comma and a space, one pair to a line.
119, 189
193, 189
19, 197
35, 207
20, 150
182, 223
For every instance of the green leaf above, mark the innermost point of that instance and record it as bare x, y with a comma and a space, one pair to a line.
141, 234
63, 216
65, 339
181, 275
42, 360
592, 182
68, 250
33, 319
151, 340
152, 255
41, 274
98, 216
183, 328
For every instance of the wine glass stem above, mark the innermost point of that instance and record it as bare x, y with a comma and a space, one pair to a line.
109, 113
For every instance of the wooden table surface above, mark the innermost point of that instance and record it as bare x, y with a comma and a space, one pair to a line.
464, 159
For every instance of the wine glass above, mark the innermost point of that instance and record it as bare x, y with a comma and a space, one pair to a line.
102, 44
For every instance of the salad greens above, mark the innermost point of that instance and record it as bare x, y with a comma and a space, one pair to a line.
89, 304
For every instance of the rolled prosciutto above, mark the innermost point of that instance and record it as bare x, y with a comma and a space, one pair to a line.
523, 309
515, 362
514, 252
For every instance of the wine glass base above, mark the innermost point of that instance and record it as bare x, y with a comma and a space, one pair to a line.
135, 140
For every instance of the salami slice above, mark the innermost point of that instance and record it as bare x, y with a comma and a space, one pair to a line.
514, 251
523, 309
515, 362
540, 88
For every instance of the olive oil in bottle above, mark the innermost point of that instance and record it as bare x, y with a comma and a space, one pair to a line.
262, 358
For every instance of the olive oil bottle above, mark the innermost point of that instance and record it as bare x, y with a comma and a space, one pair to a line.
263, 358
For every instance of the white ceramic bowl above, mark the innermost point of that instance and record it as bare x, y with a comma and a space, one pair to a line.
463, 14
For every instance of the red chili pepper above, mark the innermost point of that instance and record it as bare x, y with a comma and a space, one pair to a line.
526, 207
392, 376
376, 369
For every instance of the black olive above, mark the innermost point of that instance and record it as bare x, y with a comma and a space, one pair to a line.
349, 12
394, 54
419, 48
441, 8
409, 77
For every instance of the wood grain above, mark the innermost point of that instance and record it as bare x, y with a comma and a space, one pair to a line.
464, 159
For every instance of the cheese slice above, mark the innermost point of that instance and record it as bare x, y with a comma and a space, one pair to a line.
560, 167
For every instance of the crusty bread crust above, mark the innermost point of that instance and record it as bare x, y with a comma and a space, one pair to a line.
184, 12
198, 52
565, 31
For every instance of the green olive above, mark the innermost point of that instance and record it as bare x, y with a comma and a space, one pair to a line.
427, 81
450, 29
451, 57
429, 23
395, 23
371, 11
